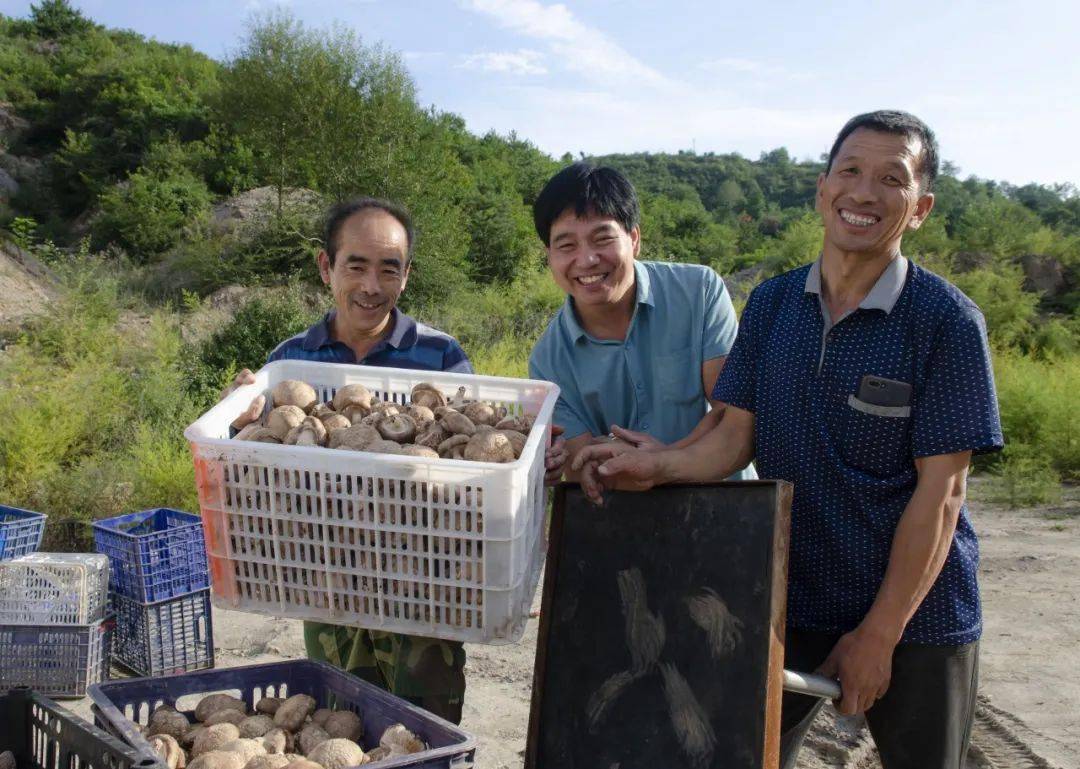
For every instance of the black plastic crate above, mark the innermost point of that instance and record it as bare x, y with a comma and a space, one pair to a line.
55, 660
166, 637
42, 735
121, 706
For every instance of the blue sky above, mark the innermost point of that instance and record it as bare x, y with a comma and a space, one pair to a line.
998, 81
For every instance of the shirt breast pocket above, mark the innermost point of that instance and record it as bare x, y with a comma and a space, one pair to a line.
678, 378
876, 439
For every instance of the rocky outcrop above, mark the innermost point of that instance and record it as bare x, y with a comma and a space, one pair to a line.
967, 261
258, 205
1044, 275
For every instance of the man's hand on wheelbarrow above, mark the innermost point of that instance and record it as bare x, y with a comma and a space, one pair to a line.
862, 661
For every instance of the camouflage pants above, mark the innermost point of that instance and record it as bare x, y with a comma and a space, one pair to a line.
427, 672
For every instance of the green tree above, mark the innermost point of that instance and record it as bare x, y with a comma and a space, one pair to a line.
57, 19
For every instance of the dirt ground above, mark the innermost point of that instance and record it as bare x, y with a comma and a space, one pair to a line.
1029, 714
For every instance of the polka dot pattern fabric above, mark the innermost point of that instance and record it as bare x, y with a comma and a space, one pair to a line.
853, 467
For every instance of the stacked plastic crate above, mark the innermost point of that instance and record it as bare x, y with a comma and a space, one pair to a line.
54, 635
159, 587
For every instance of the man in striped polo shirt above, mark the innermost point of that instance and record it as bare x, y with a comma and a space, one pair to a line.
365, 262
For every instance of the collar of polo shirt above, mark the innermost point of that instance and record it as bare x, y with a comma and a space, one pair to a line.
882, 296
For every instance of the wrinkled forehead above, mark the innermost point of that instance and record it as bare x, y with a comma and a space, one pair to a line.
569, 223
882, 148
373, 229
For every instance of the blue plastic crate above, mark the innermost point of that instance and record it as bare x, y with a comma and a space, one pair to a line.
55, 660
43, 735
120, 706
20, 532
154, 554
164, 638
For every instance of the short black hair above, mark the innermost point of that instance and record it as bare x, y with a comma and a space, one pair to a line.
587, 189
894, 121
340, 213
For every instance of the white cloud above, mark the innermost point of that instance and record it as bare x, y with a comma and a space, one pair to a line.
750, 68
577, 46
520, 62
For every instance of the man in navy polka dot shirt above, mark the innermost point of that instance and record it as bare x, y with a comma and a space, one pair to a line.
865, 381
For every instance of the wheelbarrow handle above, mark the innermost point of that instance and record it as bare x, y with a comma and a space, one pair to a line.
812, 684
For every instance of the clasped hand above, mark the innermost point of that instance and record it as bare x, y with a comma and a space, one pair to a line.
626, 458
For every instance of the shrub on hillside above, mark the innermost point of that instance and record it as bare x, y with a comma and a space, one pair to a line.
245, 341
146, 213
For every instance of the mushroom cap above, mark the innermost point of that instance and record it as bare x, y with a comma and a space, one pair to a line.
310, 432
517, 423
284, 418
335, 421
458, 424
260, 435
453, 447
385, 408
321, 411
293, 392
517, 440
427, 395
355, 438
352, 395
383, 447
431, 436
422, 415
480, 413
399, 427
416, 450
489, 446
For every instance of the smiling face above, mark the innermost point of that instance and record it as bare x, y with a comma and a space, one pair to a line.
369, 272
872, 194
592, 258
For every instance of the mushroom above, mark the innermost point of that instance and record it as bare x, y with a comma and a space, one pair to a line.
512, 423
321, 411
260, 435
337, 753
373, 418
311, 736
247, 430
400, 740
247, 748
517, 440
268, 705
431, 436
399, 427
292, 392
355, 438
480, 413
217, 759
166, 746
334, 421
166, 720
457, 424
427, 395
310, 432
319, 716
294, 711
385, 408
458, 400
268, 761
352, 395
213, 738
422, 415
284, 418
277, 741
490, 446
344, 724
416, 450
453, 447
383, 447
213, 703
224, 716
256, 726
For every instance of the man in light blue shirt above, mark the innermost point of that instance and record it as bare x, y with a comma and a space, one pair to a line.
638, 346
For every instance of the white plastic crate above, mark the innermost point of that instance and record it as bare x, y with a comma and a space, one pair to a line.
54, 589
433, 547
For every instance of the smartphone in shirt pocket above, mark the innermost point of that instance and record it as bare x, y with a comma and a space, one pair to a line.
882, 397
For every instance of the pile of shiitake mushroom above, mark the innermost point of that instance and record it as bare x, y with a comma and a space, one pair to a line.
430, 426
280, 733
